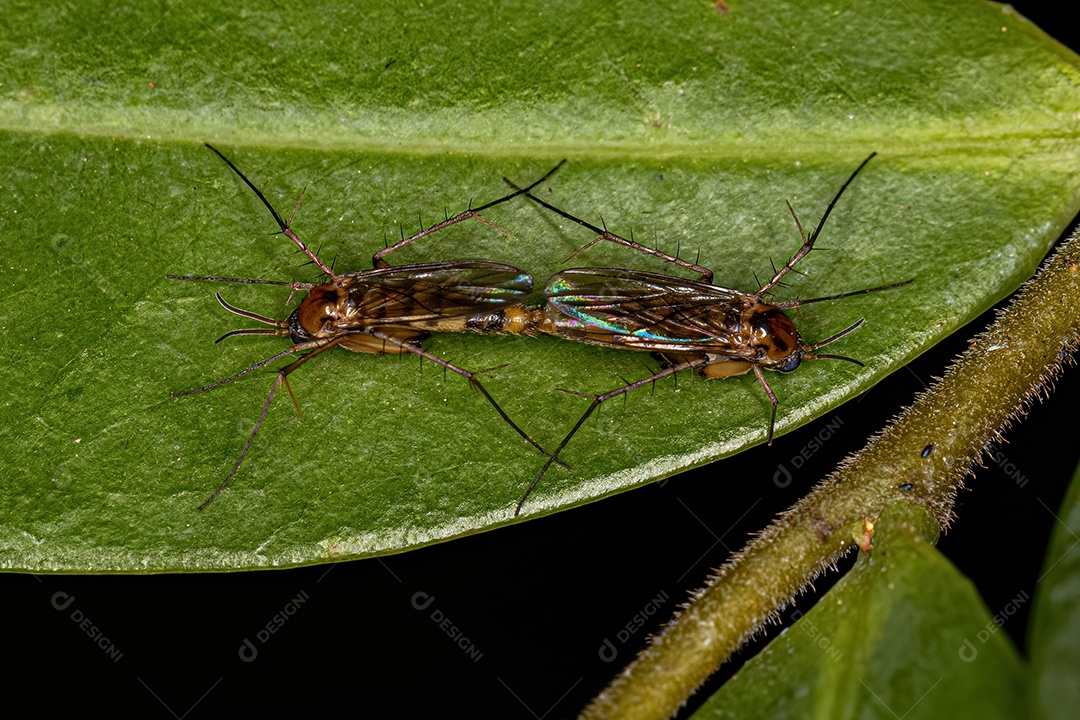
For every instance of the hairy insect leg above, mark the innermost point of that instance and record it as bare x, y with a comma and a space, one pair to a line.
604, 234
240, 374
281, 378
378, 260
286, 230
471, 377
790, 304
772, 399
599, 400
808, 240
246, 281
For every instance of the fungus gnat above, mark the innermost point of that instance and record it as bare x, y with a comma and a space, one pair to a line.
385, 310
692, 324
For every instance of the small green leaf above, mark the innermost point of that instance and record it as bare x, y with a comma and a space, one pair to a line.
1055, 619
904, 634
680, 122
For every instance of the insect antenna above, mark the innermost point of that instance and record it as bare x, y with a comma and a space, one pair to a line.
282, 327
808, 350
285, 227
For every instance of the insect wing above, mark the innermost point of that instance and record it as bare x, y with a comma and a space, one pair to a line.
642, 310
429, 292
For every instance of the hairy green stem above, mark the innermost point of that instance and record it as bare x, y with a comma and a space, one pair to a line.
922, 457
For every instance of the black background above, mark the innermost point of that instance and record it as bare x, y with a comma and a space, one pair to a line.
536, 601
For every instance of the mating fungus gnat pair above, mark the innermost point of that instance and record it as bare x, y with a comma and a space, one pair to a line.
692, 324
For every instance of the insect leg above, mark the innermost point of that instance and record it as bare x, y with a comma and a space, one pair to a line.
470, 376
247, 281
772, 399
808, 241
604, 234
240, 374
285, 229
789, 304
282, 374
377, 260
597, 401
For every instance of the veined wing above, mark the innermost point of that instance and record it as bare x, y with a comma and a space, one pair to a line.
426, 292
641, 310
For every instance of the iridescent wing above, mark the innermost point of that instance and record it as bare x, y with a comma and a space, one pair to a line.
428, 292
640, 310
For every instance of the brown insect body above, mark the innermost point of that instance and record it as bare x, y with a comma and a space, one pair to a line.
692, 324
680, 319
407, 302
386, 310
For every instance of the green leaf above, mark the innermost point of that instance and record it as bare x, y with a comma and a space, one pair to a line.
1055, 619
680, 122
904, 634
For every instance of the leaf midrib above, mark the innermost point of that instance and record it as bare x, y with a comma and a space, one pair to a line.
996, 139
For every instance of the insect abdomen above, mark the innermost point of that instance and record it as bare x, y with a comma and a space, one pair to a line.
513, 320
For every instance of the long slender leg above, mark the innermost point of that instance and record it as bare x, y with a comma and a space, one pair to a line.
789, 304
772, 399
808, 241
604, 234
240, 374
378, 261
247, 281
282, 374
285, 229
471, 377
597, 401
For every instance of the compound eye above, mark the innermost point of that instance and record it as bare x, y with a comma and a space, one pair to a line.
792, 362
297, 333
